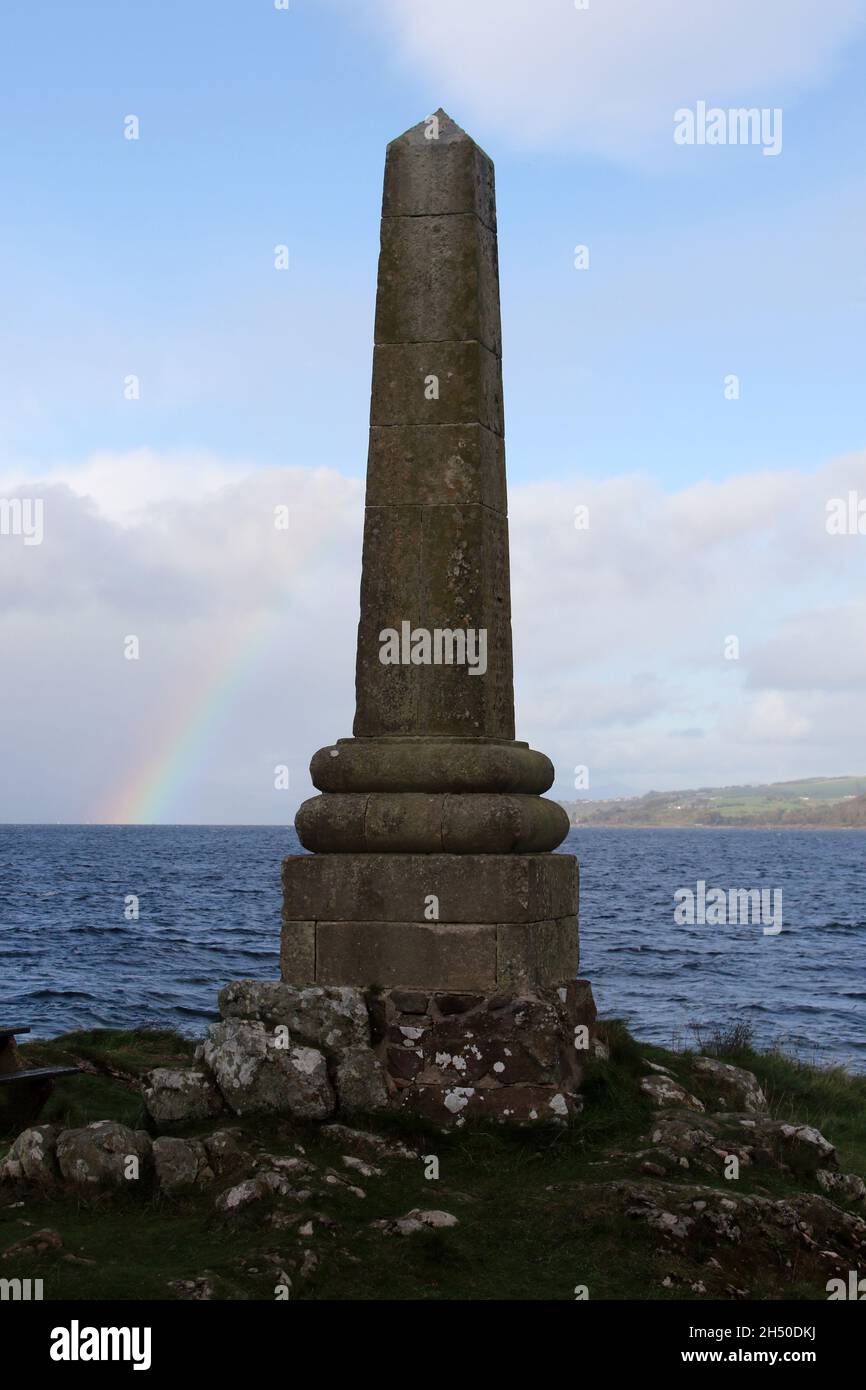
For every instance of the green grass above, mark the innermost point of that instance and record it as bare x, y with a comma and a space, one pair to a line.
534, 1221
115, 1061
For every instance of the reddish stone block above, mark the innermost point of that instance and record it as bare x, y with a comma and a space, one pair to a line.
454, 1105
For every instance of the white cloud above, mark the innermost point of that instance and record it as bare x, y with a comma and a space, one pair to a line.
620, 630
771, 718
124, 487
250, 632
608, 79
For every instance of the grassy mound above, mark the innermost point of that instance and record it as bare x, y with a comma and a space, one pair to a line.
538, 1210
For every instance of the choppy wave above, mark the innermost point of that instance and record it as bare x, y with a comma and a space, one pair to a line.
209, 903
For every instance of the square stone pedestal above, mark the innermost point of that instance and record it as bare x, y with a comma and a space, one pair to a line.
468, 965
483, 923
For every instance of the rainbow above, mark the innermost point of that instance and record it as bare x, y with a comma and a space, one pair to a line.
147, 796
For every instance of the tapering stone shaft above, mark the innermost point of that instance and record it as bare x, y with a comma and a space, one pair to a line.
435, 557
431, 883
434, 767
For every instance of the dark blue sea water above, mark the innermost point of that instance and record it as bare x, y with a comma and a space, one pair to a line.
210, 912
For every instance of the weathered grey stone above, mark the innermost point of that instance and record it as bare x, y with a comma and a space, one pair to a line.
175, 1096
430, 823
435, 536
330, 1019
360, 1081
450, 174
536, 953
407, 822
33, 1157
804, 1148
656, 1067
697, 1142
373, 1143
706, 1142
847, 1186
298, 951
227, 1151
430, 868
438, 281
287, 1164
665, 1091
419, 765
739, 1089
417, 1220
435, 466
332, 826
468, 385
394, 887
180, 1162
500, 824
361, 1167
438, 569
407, 954
101, 1154
465, 957
748, 1233
254, 1074
251, 1190
578, 998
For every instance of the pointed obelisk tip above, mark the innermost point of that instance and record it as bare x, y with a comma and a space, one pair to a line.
439, 128
436, 168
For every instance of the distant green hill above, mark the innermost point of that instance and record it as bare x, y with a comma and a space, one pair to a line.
813, 802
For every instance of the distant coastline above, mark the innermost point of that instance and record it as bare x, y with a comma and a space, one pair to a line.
815, 803
699, 825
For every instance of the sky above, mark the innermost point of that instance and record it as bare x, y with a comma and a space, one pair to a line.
698, 387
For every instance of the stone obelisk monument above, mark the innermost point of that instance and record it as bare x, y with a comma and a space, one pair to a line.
431, 884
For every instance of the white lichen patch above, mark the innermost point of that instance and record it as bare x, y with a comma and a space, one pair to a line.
456, 1062
458, 1099
306, 1059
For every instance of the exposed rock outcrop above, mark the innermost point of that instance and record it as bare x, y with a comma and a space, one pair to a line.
180, 1162
734, 1087
33, 1157
257, 1070
174, 1094
103, 1154
666, 1091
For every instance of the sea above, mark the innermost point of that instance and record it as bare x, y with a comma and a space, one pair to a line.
125, 926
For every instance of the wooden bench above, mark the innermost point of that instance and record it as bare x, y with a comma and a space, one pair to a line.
32, 1085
